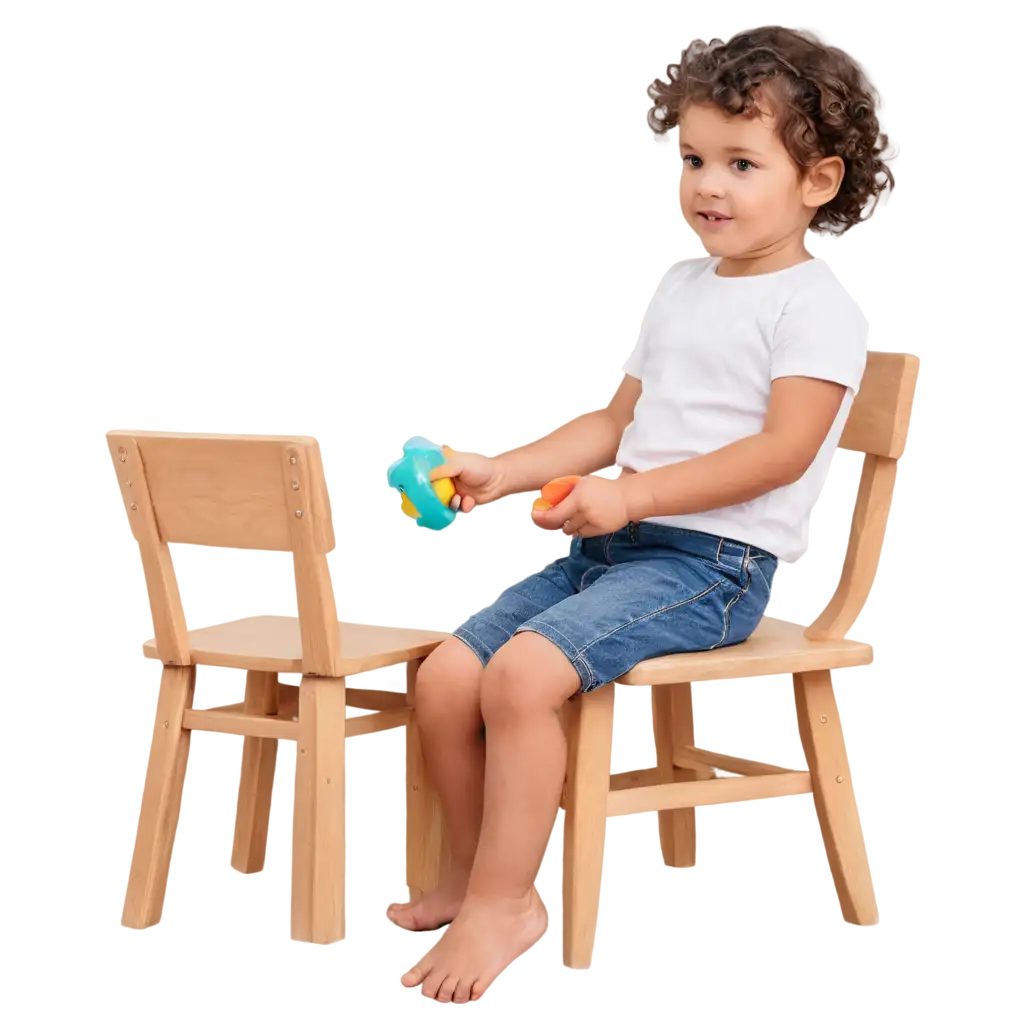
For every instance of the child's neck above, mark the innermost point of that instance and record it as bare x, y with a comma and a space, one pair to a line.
766, 260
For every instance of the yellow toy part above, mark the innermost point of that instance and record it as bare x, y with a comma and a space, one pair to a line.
444, 489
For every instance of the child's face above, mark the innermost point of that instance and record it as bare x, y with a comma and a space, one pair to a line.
739, 167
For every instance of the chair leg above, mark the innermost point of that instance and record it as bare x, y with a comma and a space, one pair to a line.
259, 756
329, 813
427, 850
588, 772
318, 829
301, 825
822, 738
672, 711
161, 800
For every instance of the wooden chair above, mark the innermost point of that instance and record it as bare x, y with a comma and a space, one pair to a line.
685, 774
265, 493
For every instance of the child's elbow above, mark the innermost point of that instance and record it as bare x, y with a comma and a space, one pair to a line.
788, 466
787, 457
793, 474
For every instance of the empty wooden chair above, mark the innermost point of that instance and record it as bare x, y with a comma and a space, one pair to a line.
685, 774
265, 493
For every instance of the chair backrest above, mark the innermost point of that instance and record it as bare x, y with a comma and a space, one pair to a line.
877, 426
224, 490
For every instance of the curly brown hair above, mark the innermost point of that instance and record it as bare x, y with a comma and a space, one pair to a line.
822, 99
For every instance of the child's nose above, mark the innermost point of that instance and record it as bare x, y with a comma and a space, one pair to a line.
710, 187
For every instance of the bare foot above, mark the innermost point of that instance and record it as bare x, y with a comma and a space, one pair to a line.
433, 909
482, 941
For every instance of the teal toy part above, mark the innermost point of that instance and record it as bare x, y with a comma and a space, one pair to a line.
411, 475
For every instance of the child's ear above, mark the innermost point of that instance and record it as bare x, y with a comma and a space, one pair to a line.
822, 180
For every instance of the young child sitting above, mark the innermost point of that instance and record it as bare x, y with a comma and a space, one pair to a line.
732, 405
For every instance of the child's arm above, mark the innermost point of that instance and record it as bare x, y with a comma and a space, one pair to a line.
580, 447
801, 411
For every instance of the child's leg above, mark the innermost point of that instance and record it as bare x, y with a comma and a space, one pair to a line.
450, 722
450, 719
660, 591
523, 688
522, 694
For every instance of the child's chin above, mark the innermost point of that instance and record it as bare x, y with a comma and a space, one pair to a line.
717, 247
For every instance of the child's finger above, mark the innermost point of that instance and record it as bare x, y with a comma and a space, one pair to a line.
543, 520
554, 518
549, 519
568, 507
545, 529
445, 470
574, 525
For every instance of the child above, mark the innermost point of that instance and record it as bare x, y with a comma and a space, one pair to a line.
732, 404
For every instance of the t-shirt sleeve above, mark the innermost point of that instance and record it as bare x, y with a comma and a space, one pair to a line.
634, 365
822, 333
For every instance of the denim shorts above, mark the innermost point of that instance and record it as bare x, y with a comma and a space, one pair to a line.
642, 592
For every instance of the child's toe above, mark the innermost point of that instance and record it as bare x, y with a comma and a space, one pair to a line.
447, 989
432, 983
413, 977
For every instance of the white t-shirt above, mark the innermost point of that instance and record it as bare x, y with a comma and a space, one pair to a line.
708, 350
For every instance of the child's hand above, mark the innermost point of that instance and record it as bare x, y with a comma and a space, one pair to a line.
478, 479
595, 506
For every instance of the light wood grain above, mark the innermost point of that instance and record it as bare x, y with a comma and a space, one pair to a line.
271, 641
878, 421
329, 811
672, 714
587, 796
818, 714
694, 757
301, 483
159, 798
763, 791
267, 493
301, 821
258, 777
942, 815
170, 632
776, 647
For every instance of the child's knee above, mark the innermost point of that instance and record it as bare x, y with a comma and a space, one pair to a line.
527, 675
448, 682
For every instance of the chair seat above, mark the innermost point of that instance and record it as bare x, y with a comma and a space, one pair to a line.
271, 643
776, 647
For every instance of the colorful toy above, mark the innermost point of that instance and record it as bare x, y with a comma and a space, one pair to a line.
426, 504
555, 492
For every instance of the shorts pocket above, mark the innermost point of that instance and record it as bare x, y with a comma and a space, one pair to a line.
745, 609
762, 569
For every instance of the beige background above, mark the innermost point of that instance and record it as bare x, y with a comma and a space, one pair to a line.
341, 217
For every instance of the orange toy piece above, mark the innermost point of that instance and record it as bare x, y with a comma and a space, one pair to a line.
555, 492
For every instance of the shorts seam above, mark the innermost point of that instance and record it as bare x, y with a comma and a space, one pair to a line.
760, 573
607, 545
650, 615
736, 597
728, 608
547, 625
478, 647
578, 659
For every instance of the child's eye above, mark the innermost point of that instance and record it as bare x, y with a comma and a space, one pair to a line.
687, 157
740, 160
